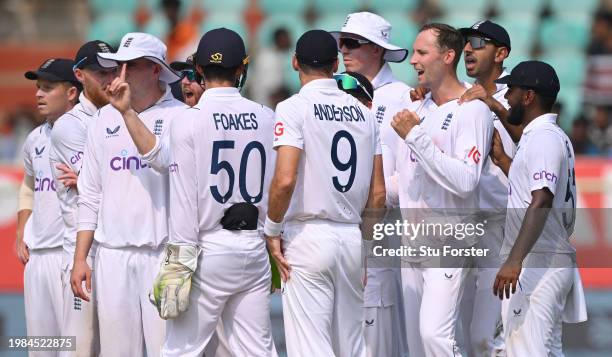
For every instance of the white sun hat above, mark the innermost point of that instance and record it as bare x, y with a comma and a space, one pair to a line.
136, 45
374, 29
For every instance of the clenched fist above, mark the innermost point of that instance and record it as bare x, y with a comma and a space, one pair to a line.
404, 121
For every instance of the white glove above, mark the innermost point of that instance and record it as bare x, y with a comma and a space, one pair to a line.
173, 282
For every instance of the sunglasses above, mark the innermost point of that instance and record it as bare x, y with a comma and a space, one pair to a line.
347, 82
478, 42
191, 75
351, 43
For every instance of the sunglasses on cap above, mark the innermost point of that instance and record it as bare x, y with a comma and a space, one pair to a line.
478, 42
348, 82
351, 43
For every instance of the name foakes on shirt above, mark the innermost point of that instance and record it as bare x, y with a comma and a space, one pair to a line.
326, 112
235, 121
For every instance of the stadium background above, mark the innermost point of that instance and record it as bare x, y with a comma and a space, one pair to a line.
575, 36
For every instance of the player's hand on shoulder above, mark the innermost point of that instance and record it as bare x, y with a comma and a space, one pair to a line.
404, 121
507, 279
81, 272
119, 92
276, 251
418, 94
476, 92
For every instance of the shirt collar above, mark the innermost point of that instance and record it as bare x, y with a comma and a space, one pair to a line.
542, 119
323, 83
87, 106
501, 86
220, 92
384, 76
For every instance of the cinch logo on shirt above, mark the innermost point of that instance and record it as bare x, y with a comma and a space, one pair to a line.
545, 175
76, 157
413, 157
44, 184
125, 162
112, 132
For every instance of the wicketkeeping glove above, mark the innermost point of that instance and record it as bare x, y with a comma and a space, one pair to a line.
173, 282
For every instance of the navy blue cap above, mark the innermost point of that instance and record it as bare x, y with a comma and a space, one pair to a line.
54, 70
536, 75
87, 55
221, 47
316, 48
489, 30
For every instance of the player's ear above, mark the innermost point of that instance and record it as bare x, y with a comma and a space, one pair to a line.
73, 93
294, 64
501, 53
449, 57
78, 73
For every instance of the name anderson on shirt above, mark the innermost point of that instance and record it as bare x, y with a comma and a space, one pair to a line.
334, 113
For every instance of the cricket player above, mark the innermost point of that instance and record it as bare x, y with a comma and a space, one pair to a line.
441, 165
364, 43
540, 262
40, 229
327, 143
487, 45
67, 147
216, 215
124, 201
191, 82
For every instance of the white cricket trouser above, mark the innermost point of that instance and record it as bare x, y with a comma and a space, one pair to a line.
432, 301
481, 309
532, 316
231, 285
79, 316
42, 293
384, 332
129, 323
323, 298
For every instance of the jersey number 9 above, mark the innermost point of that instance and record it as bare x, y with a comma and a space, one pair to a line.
350, 164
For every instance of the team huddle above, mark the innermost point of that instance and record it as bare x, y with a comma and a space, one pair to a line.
151, 226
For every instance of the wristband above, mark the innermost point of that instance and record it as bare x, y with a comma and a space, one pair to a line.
271, 228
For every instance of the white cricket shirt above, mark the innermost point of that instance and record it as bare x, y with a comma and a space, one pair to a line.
120, 196
544, 159
445, 154
68, 139
221, 154
45, 228
338, 137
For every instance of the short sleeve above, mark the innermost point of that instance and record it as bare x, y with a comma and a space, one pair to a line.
544, 166
27, 157
289, 123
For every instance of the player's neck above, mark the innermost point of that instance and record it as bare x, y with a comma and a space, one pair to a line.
370, 72
487, 80
218, 84
147, 99
532, 114
447, 89
305, 78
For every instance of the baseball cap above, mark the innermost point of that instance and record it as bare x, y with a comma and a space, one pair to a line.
489, 30
221, 47
136, 45
54, 70
87, 55
181, 66
536, 75
374, 29
316, 48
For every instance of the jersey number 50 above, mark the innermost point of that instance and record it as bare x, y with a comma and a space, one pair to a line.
350, 164
216, 166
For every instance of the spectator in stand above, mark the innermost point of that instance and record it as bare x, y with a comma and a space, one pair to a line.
268, 70
600, 133
183, 37
580, 138
601, 33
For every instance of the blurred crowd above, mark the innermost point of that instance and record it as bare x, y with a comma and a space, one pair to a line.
271, 79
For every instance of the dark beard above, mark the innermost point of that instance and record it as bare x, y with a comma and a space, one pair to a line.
516, 115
